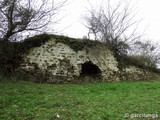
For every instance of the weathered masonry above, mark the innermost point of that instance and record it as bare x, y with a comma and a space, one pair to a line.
64, 59
55, 61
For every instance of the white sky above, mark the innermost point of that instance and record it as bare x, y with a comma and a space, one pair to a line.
148, 10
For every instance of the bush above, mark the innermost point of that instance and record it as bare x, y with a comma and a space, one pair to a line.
12, 52
10, 57
138, 61
75, 44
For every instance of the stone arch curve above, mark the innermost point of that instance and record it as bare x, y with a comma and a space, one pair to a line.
90, 69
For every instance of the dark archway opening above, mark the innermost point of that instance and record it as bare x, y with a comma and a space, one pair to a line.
90, 69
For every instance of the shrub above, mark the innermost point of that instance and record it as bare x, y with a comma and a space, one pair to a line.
12, 52
138, 61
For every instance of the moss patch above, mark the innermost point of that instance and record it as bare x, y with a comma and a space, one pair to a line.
75, 44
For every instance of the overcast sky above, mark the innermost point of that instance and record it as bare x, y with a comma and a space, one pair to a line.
72, 23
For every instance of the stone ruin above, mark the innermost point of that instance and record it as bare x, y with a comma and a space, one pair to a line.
57, 62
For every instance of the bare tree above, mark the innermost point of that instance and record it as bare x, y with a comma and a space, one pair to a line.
19, 16
147, 52
114, 25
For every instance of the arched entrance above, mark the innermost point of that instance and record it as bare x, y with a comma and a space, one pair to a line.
90, 69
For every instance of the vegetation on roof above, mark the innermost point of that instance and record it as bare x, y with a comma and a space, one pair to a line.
12, 52
75, 44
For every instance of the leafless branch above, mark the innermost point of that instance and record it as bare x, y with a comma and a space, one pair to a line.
26, 15
113, 24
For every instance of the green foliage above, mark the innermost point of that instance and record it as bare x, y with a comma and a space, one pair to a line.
28, 101
148, 52
118, 47
76, 44
142, 54
12, 52
10, 56
35, 41
138, 61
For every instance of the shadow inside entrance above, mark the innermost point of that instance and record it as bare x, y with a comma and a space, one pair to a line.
90, 72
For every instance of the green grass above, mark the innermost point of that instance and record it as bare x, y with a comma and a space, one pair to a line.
94, 101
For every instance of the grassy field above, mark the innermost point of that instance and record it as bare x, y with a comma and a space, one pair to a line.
94, 101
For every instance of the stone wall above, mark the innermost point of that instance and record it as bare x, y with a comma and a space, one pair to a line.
57, 62
134, 73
